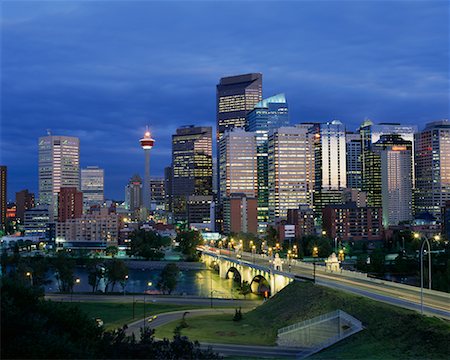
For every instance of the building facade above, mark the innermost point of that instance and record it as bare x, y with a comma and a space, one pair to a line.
348, 222
59, 166
157, 194
36, 222
303, 221
3, 196
24, 201
98, 230
70, 203
432, 166
92, 185
354, 157
240, 214
328, 146
133, 194
191, 167
396, 178
267, 115
289, 169
238, 164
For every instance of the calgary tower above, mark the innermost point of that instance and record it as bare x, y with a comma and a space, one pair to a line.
147, 143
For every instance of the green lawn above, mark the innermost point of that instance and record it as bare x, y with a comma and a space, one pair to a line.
115, 315
390, 332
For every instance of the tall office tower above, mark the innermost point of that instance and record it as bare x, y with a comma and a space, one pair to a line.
330, 164
157, 194
354, 165
24, 201
238, 173
70, 203
289, 167
59, 166
92, 185
133, 193
168, 180
396, 178
36, 222
147, 144
192, 166
432, 156
268, 114
235, 98
3, 195
370, 133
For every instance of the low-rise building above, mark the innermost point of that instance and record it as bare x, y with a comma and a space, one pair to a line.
93, 231
348, 222
240, 214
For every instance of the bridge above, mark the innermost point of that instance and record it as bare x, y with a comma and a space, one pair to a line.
260, 271
263, 280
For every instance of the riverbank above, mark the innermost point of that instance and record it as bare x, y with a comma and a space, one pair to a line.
159, 265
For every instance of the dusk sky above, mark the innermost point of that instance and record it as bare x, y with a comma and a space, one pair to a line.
103, 70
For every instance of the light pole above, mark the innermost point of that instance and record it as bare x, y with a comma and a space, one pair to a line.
211, 288
422, 246
125, 284
77, 281
30, 275
145, 293
289, 254
254, 253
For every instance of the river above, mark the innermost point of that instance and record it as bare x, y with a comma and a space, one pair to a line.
190, 282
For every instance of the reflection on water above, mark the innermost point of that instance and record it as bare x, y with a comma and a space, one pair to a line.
191, 282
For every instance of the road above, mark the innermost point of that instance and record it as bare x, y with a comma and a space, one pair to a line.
223, 349
178, 300
436, 303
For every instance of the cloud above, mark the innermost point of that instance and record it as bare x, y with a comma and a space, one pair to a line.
104, 70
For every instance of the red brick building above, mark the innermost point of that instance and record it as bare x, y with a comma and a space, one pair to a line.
70, 203
348, 222
240, 214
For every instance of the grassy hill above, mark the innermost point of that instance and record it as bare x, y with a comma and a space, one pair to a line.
391, 332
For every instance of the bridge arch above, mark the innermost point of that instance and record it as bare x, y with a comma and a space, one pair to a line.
260, 285
234, 274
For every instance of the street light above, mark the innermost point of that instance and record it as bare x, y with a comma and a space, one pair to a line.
145, 293
289, 259
253, 253
30, 275
315, 251
422, 248
77, 281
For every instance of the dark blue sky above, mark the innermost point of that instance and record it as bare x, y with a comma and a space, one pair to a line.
103, 70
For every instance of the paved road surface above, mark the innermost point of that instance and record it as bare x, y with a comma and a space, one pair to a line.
435, 302
178, 300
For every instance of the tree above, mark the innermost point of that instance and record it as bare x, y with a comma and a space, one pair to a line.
148, 244
115, 271
168, 278
245, 288
189, 241
112, 251
64, 269
271, 236
95, 273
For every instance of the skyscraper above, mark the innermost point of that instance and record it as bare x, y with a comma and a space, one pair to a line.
330, 163
92, 185
59, 166
157, 194
289, 168
236, 96
133, 193
432, 157
24, 201
396, 178
147, 144
238, 173
191, 166
354, 165
268, 114
3, 195
168, 188
371, 172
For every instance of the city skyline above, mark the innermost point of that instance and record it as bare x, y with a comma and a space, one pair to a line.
395, 72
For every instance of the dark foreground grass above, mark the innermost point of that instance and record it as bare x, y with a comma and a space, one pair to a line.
390, 332
115, 315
